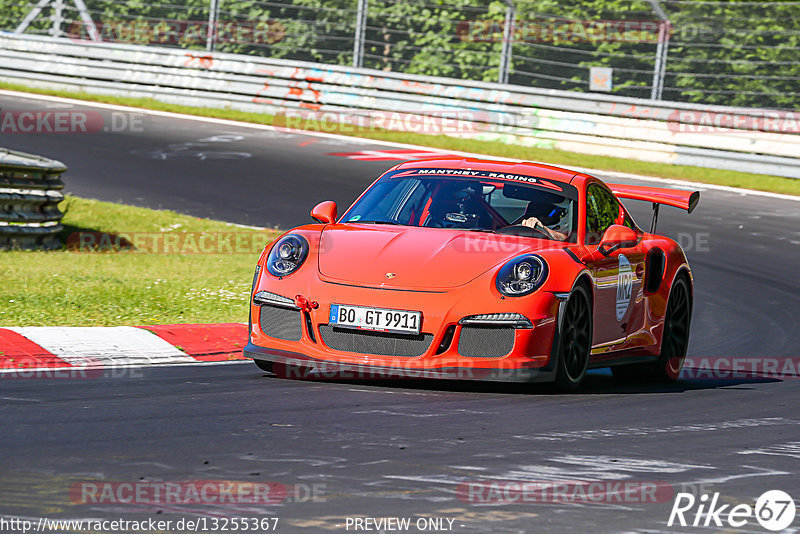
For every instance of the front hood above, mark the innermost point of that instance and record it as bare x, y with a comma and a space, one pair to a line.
411, 257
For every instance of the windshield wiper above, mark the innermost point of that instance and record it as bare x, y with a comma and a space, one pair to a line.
482, 230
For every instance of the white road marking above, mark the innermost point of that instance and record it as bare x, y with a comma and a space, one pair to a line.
791, 450
646, 431
758, 472
422, 415
635, 465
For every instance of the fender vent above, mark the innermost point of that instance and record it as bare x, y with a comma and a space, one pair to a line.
485, 341
654, 270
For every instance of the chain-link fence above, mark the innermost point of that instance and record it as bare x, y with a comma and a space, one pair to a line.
735, 53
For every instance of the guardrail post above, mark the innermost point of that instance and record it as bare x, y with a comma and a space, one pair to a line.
58, 7
58, 18
660, 66
361, 28
213, 15
508, 35
32, 14
94, 35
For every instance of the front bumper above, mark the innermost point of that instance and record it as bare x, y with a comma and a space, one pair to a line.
529, 359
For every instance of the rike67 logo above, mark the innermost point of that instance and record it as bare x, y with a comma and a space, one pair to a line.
774, 510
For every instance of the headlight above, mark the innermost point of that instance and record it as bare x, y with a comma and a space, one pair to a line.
521, 276
287, 255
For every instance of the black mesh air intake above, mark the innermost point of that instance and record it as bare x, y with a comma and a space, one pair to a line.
485, 341
281, 323
378, 343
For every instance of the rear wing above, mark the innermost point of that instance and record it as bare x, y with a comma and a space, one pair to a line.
678, 198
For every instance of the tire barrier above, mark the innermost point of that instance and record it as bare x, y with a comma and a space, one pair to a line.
30, 191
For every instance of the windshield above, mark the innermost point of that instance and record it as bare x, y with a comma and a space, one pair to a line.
485, 201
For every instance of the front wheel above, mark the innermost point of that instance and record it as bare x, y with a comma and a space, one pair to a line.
289, 370
575, 341
283, 370
264, 365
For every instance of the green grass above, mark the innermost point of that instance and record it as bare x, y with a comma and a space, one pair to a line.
130, 287
493, 148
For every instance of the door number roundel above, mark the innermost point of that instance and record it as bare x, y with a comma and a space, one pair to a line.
624, 286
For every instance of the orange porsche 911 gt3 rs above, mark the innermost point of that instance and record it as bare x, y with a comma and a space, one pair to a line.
473, 269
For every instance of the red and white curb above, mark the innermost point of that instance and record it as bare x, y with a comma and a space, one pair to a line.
95, 347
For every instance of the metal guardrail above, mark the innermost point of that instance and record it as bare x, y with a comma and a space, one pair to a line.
30, 191
712, 51
675, 133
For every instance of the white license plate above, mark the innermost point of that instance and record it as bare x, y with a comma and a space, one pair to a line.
379, 319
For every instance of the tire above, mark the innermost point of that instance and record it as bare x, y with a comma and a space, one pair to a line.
283, 370
575, 341
674, 341
264, 365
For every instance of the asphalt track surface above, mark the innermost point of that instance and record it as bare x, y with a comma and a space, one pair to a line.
400, 449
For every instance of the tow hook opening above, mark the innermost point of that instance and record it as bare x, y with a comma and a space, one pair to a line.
305, 304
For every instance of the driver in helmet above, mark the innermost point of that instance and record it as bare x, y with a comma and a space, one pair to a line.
546, 218
458, 206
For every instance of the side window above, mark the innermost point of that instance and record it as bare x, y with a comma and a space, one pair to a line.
602, 210
389, 199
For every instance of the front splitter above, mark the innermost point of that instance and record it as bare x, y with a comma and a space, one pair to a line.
339, 370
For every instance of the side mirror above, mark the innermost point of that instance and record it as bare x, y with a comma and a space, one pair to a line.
617, 237
324, 212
